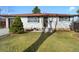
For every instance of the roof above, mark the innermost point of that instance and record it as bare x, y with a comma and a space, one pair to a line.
38, 15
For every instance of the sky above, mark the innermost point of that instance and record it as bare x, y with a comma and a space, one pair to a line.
44, 9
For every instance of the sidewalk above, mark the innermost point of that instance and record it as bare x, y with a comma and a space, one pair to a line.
4, 31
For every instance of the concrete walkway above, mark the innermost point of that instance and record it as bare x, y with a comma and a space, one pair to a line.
4, 31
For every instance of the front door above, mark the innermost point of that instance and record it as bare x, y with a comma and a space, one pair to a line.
10, 21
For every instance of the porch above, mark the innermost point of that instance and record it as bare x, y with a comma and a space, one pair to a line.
4, 26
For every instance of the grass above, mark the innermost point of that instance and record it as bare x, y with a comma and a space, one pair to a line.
18, 42
59, 41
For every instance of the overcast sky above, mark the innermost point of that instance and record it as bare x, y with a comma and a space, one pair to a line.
44, 9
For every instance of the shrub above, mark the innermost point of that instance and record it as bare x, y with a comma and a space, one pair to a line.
17, 26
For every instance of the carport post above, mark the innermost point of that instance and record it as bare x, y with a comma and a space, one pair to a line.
7, 25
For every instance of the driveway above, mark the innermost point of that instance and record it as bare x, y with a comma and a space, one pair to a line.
4, 31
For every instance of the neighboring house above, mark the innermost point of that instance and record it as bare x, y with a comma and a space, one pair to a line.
39, 21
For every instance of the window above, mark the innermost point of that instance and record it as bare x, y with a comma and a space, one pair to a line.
64, 18
33, 19
2, 22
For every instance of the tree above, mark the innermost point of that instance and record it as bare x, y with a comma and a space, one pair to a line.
77, 11
36, 10
0, 10
17, 26
78, 16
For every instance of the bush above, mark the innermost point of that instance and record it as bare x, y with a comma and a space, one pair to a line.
17, 26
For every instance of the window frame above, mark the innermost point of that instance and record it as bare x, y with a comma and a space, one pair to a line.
33, 20
64, 19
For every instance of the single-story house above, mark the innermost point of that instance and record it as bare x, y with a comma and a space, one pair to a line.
39, 21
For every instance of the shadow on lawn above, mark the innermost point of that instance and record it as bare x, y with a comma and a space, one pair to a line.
44, 35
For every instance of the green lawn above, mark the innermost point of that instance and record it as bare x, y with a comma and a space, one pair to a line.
18, 42
58, 41
61, 41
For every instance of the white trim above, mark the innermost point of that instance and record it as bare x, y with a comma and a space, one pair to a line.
7, 25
